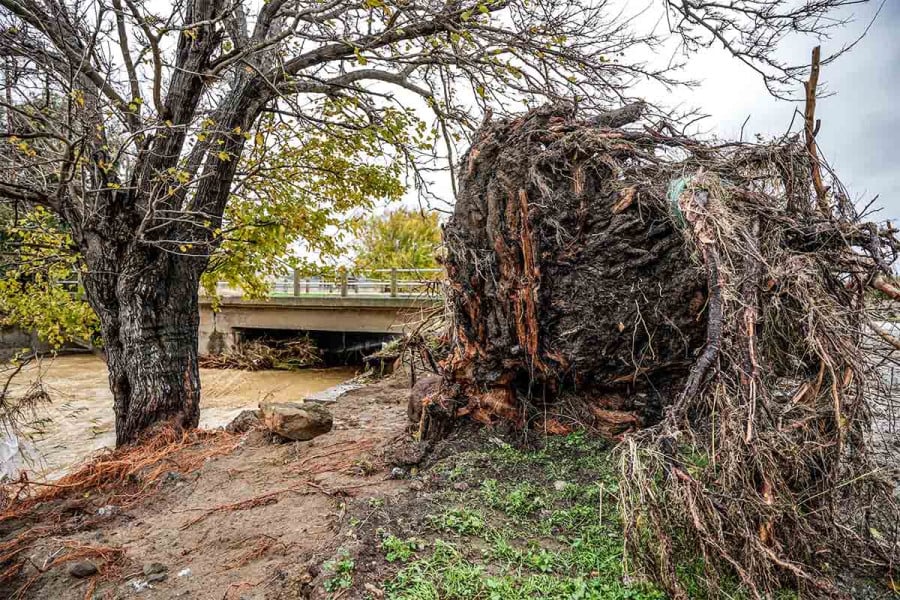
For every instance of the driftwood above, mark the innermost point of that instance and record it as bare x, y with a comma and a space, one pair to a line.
713, 298
259, 355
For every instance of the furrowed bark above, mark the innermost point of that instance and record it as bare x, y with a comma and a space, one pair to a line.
149, 318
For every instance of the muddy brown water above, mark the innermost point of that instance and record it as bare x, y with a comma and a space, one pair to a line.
79, 420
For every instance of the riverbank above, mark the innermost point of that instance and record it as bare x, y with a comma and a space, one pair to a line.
363, 512
78, 421
235, 525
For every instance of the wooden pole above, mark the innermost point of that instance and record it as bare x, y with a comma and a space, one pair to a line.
393, 282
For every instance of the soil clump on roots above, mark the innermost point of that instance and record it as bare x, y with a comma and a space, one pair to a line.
715, 299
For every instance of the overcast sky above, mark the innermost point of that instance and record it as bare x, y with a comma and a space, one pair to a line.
860, 132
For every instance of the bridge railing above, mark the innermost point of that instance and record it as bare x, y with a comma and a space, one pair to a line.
393, 283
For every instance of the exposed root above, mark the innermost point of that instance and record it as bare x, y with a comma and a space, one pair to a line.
264, 545
754, 461
121, 476
724, 294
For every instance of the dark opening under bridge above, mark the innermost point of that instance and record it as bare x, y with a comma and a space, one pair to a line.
342, 311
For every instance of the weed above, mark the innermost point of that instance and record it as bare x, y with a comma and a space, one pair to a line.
521, 501
342, 570
463, 521
397, 549
541, 560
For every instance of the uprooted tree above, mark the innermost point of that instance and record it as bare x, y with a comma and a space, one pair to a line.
715, 299
138, 125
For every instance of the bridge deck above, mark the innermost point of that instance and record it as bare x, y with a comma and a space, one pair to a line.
354, 313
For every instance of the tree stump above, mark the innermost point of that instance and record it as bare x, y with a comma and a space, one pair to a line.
569, 280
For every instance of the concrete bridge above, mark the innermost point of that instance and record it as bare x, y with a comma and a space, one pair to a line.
347, 313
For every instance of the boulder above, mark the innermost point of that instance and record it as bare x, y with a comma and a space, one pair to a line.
296, 421
82, 568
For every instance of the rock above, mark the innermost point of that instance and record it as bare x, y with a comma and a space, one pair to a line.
460, 486
82, 568
107, 511
245, 421
417, 485
184, 573
397, 473
157, 577
424, 387
559, 485
296, 421
154, 568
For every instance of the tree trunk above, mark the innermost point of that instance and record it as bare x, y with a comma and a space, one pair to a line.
148, 311
143, 271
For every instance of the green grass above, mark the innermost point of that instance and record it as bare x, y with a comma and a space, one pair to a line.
540, 524
340, 570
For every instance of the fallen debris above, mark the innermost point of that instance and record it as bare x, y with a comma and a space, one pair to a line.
262, 355
620, 279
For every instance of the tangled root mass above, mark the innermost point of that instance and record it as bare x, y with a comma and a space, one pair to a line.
698, 298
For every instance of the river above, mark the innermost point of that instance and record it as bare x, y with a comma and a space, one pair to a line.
79, 419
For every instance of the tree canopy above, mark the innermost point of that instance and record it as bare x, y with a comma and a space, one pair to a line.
40, 290
400, 239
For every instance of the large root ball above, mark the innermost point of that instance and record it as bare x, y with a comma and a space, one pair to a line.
569, 277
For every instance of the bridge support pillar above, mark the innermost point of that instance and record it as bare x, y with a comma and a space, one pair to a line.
216, 336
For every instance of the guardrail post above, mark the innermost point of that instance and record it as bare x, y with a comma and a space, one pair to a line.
296, 282
393, 283
343, 283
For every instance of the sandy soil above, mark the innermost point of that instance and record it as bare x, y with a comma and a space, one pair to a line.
285, 503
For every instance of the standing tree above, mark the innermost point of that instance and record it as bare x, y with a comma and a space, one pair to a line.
138, 124
401, 239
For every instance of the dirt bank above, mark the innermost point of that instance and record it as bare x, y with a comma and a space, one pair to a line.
363, 512
239, 527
